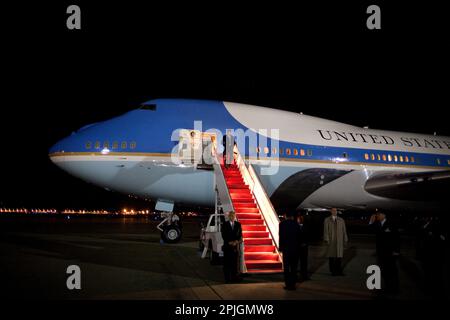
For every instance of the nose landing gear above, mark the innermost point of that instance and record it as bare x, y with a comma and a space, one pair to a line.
170, 227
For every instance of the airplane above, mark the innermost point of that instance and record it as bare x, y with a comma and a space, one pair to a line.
317, 163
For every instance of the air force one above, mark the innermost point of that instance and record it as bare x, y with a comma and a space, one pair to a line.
301, 161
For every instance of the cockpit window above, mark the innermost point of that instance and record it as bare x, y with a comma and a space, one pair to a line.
151, 107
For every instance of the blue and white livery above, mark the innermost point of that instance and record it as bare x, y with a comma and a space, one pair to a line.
320, 163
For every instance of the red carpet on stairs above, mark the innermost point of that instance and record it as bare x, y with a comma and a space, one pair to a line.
259, 251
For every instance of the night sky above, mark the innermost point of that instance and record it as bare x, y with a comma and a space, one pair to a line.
318, 59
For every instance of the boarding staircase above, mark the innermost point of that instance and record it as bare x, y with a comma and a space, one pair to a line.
255, 213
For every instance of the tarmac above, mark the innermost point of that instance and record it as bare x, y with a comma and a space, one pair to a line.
122, 258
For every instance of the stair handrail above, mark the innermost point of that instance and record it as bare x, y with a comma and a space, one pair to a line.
220, 187
262, 199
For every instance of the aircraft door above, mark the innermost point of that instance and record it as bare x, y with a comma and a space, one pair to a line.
190, 146
196, 147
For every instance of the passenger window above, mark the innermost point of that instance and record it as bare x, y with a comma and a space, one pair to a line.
281, 151
389, 157
309, 153
115, 145
345, 155
266, 150
88, 145
106, 144
97, 144
133, 145
412, 159
288, 151
123, 145
438, 161
302, 152
274, 150
406, 159
401, 158
295, 152
257, 149
366, 156
378, 157
395, 158
372, 157
384, 157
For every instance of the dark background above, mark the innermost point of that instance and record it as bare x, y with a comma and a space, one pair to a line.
316, 57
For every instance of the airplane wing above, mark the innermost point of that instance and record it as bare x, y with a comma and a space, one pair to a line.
413, 186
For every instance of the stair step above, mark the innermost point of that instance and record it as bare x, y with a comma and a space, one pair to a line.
244, 191
240, 191
237, 186
229, 173
255, 222
237, 196
261, 256
247, 210
247, 227
265, 271
236, 182
255, 234
234, 178
263, 264
240, 215
243, 201
257, 241
245, 205
259, 248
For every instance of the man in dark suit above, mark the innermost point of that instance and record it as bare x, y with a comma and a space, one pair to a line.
232, 238
289, 246
228, 142
304, 244
387, 247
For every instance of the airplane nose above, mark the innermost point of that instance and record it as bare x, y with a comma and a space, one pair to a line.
63, 146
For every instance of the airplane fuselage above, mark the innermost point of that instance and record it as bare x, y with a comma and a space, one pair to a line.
302, 161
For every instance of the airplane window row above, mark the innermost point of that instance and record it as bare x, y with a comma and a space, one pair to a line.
114, 145
439, 161
390, 158
287, 151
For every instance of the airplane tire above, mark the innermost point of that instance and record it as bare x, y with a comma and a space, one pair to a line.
171, 234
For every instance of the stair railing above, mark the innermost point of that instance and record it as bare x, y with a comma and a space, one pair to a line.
223, 198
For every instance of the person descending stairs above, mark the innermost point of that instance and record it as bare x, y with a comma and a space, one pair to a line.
259, 251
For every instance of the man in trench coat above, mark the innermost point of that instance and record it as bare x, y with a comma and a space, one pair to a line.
335, 236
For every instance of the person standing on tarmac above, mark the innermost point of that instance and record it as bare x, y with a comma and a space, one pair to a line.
289, 246
387, 248
232, 238
335, 236
304, 244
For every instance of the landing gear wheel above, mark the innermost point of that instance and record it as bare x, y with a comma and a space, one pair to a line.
171, 234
